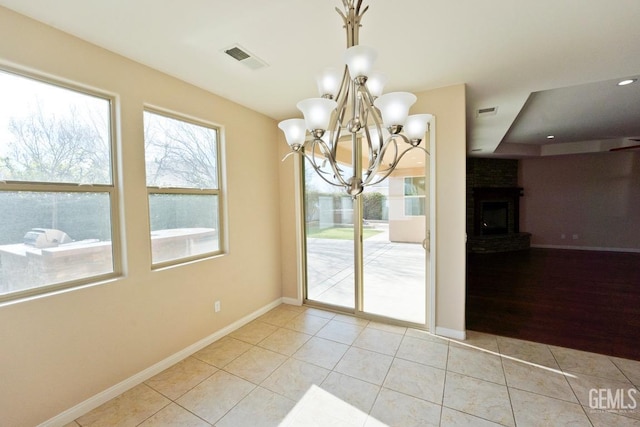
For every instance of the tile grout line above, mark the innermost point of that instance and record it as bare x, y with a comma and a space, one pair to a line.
575, 394
285, 326
218, 369
373, 405
444, 385
506, 383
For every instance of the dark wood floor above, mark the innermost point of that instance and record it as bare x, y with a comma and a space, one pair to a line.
579, 299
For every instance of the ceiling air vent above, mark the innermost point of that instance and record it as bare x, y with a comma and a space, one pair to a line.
484, 112
246, 58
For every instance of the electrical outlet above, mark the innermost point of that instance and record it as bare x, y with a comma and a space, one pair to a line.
216, 306
576, 237
563, 236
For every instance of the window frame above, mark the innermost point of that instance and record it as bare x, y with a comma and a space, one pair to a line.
12, 186
218, 192
423, 197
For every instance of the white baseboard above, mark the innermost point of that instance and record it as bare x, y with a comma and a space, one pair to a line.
587, 248
451, 333
291, 301
93, 402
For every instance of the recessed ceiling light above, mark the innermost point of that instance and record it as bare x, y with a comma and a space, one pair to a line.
550, 136
627, 82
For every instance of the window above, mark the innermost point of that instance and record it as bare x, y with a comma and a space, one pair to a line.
414, 196
57, 195
182, 165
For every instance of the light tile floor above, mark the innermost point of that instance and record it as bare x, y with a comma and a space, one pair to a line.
300, 366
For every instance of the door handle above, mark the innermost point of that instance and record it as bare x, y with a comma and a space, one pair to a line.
426, 241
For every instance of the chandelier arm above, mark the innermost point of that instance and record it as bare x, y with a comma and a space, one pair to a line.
412, 148
344, 85
315, 167
334, 143
369, 102
290, 153
373, 111
411, 142
337, 132
332, 161
312, 158
398, 161
361, 14
391, 141
378, 181
338, 118
321, 173
372, 154
343, 93
313, 161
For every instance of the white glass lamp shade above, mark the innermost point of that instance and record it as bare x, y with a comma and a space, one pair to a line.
360, 60
294, 131
416, 126
329, 82
394, 107
375, 136
375, 84
317, 112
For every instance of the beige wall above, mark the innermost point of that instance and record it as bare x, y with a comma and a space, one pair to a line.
59, 350
593, 196
289, 223
448, 106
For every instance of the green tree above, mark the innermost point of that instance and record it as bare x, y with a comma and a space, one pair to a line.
373, 203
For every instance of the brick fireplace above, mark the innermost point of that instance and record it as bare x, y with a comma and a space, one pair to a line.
493, 206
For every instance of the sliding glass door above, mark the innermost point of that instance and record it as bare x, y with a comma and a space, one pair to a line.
395, 260
329, 220
369, 255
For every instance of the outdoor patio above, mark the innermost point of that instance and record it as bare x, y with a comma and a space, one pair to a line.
394, 275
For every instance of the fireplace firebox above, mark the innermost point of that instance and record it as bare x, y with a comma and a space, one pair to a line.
494, 217
496, 210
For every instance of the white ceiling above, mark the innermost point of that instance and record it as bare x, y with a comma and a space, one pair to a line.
503, 50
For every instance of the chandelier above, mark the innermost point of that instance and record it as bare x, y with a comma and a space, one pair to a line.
351, 104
